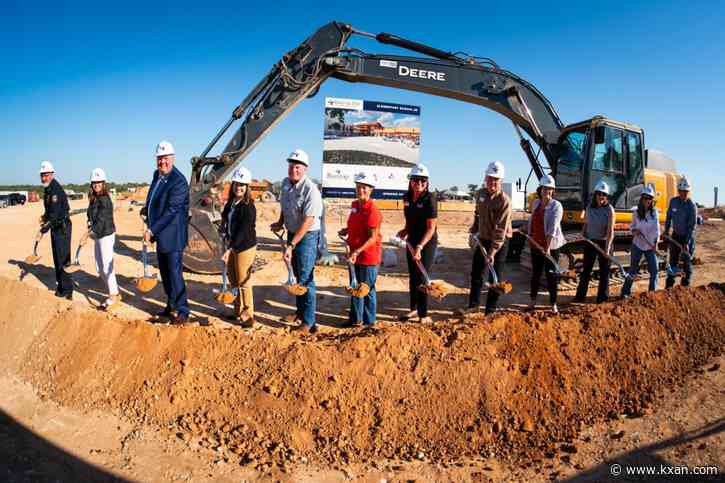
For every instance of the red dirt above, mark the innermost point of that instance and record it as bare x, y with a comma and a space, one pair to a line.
513, 385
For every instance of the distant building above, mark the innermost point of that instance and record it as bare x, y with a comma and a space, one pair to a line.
518, 201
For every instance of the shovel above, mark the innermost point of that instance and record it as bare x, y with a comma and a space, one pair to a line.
30, 259
147, 282
225, 296
355, 289
499, 287
291, 284
625, 273
435, 289
558, 271
684, 253
671, 272
76, 265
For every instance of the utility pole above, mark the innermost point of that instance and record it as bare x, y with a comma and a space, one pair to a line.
715, 204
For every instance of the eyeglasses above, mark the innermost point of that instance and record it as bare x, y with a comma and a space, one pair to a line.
418, 180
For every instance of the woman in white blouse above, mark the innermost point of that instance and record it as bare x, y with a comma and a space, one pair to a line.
645, 229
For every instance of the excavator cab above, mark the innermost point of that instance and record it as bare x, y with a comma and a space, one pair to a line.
599, 149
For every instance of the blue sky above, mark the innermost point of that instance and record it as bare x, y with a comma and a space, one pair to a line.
86, 86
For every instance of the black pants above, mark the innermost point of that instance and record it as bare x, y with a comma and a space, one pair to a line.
590, 255
539, 263
675, 254
60, 243
477, 268
418, 299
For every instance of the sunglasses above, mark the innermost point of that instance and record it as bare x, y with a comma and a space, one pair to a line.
419, 180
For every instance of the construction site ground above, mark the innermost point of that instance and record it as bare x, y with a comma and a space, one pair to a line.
518, 396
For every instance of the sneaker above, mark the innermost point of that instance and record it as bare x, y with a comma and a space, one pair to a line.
247, 323
292, 318
407, 316
426, 320
554, 309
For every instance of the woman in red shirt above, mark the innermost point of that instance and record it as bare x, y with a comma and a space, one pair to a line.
364, 240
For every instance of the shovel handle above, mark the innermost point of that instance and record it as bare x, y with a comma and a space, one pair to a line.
420, 266
491, 269
625, 273
350, 266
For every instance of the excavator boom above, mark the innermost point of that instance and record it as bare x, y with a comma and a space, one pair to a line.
324, 54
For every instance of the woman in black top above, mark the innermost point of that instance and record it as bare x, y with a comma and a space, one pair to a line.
103, 230
421, 213
239, 219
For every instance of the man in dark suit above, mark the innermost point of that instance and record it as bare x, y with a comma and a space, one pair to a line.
167, 219
56, 218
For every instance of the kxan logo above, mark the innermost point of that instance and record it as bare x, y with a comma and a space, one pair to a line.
406, 71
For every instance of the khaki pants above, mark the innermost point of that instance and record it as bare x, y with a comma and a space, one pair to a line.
239, 270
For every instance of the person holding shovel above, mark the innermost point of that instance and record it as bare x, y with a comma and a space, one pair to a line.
301, 209
599, 229
421, 216
645, 229
492, 225
682, 218
103, 230
56, 219
365, 247
545, 229
167, 219
239, 221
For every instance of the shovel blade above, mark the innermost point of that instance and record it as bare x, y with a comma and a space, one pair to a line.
30, 259
225, 297
502, 288
362, 290
145, 284
296, 289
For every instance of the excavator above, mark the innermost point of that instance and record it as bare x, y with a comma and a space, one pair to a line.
577, 155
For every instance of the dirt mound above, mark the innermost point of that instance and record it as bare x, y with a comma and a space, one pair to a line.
514, 384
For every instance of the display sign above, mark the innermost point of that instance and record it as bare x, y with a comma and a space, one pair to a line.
381, 139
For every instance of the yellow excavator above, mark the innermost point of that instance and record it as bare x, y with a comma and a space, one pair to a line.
578, 155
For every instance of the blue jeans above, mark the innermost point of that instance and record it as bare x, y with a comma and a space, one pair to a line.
303, 265
636, 256
172, 278
363, 309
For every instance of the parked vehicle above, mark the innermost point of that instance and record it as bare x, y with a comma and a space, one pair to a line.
16, 199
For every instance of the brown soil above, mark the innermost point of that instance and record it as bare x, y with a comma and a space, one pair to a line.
514, 385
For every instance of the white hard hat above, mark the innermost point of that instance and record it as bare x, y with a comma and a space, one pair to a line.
298, 156
242, 175
602, 187
683, 185
98, 175
649, 190
495, 170
419, 171
164, 148
547, 181
46, 167
363, 178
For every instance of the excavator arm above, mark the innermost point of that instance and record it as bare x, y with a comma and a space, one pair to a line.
300, 73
